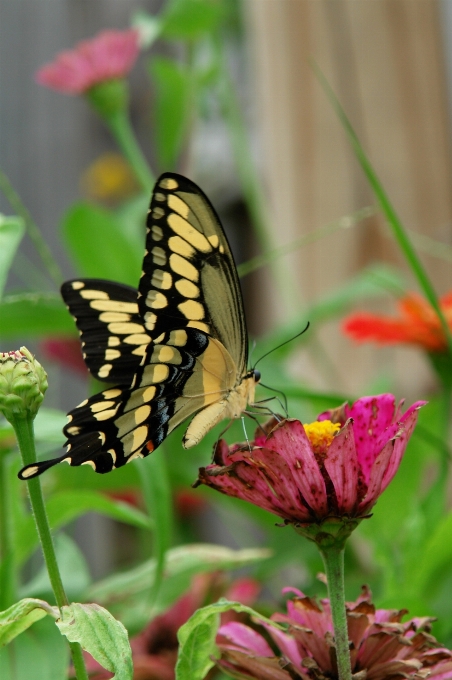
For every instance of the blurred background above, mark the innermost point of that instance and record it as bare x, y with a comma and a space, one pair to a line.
389, 63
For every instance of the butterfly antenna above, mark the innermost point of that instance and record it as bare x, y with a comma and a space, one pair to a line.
286, 342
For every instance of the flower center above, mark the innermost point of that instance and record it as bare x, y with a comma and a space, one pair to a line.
321, 434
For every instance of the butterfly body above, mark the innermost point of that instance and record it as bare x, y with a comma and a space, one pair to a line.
176, 348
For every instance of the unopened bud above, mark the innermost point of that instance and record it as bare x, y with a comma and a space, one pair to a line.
23, 382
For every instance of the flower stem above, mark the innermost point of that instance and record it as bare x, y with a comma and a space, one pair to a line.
333, 559
8, 567
121, 129
23, 427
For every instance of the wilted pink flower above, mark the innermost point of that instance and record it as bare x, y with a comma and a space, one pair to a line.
381, 646
336, 467
107, 56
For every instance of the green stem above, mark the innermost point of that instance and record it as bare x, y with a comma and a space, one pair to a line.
121, 129
32, 229
333, 559
8, 567
392, 218
23, 427
157, 497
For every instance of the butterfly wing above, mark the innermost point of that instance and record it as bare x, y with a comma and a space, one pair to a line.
193, 341
114, 339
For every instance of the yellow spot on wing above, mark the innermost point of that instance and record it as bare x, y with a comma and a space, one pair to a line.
137, 339
158, 256
214, 240
94, 294
104, 370
183, 267
90, 462
114, 306
180, 246
199, 325
187, 288
112, 354
154, 373
113, 341
156, 300
111, 394
189, 233
142, 413
125, 328
109, 317
178, 338
168, 183
106, 415
157, 233
192, 309
102, 405
161, 279
76, 285
178, 205
150, 320
30, 471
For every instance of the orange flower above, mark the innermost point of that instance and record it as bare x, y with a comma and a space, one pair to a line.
417, 324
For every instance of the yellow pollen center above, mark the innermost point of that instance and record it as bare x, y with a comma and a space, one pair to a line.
321, 434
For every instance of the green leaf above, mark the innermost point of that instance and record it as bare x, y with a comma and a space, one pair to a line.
12, 230
41, 653
100, 634
34, 314
98, 245
435, 556
197, 638
21, 615
190, 19
73, 569
65, 506
172, 109
182, 563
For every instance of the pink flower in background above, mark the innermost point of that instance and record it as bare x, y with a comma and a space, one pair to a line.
381, 645
107, 56
335, 467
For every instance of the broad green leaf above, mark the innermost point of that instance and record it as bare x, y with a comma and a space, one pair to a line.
73, 569
40, 653
100, 634
148, 25
435, 556
190, 19
12, 230
21, 616
65, 506
197, 638
98, 245
172, 110
182, 563
35, 315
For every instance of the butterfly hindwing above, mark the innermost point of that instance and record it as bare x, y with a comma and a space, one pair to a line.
176, 347
114, 339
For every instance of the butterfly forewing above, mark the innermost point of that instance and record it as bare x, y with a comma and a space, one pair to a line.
113, 336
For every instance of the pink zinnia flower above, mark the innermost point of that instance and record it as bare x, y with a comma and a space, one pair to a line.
335, 468
109, 55
381, 645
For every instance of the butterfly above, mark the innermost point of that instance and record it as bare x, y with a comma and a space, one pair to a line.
175, 348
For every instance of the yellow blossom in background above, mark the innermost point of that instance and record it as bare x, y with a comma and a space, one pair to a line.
109, 178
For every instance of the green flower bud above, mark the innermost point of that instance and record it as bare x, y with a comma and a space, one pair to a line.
23, 382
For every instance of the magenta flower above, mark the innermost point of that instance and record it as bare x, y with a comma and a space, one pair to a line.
381, 646
334, 468
108, 56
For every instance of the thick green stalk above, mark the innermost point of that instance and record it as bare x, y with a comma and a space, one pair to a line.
8, 578
333, 559
23, 427
121, 129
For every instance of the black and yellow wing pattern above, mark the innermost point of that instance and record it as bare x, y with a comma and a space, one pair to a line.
174, 349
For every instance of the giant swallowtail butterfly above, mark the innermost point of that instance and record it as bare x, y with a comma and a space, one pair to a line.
176, 348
